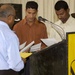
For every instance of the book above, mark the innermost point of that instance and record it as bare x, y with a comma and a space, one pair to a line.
49, 41
35, 47
25, 55
27, 47
22, 45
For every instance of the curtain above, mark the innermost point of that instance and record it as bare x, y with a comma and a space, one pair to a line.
46, 7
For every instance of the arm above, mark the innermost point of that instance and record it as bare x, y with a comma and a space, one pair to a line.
14, 60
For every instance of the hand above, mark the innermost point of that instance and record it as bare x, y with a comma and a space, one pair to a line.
27, 50
24, 60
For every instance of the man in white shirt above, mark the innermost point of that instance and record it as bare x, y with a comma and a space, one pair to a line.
66, 21
10, 60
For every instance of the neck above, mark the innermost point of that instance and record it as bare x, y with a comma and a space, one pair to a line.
66, 19
30, 23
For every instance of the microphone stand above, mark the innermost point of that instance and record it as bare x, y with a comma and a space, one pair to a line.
57, 28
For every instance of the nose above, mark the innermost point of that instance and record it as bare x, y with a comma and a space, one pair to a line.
31, 15
59, 16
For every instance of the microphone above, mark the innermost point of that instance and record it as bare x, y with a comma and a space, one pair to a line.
56, 27
42, 19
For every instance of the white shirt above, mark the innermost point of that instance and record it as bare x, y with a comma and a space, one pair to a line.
9, 49
69, 26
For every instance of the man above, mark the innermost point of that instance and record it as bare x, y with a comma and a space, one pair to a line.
30, 29
66, 21
10, 60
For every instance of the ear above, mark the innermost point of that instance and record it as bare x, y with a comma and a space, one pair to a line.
68, 10
9, 18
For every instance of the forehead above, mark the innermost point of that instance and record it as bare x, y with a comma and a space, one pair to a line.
31, 10
60, 11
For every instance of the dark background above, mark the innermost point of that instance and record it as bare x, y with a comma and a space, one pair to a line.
18, 8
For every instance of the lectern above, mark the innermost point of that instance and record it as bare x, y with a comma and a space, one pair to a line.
52, 60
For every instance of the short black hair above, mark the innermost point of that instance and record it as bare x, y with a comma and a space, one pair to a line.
31, 4
61, 4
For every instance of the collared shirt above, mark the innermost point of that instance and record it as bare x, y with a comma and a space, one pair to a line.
9, 49
69, 26
27, 33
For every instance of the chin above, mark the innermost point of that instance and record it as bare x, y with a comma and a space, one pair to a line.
31, 20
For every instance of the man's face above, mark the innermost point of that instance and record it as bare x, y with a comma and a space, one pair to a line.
63, 15
31, 14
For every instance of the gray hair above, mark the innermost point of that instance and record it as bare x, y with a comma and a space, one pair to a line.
6, 10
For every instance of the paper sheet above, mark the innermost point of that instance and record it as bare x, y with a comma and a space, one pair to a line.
49, 41
27, 47
25, 55
22, 45
35, 47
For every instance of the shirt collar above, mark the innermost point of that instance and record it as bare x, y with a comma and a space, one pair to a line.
70, 19
4, 24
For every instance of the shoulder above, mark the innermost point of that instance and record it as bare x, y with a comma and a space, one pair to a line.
41, 24
18, 25
7, 34
58, 22
72, 18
